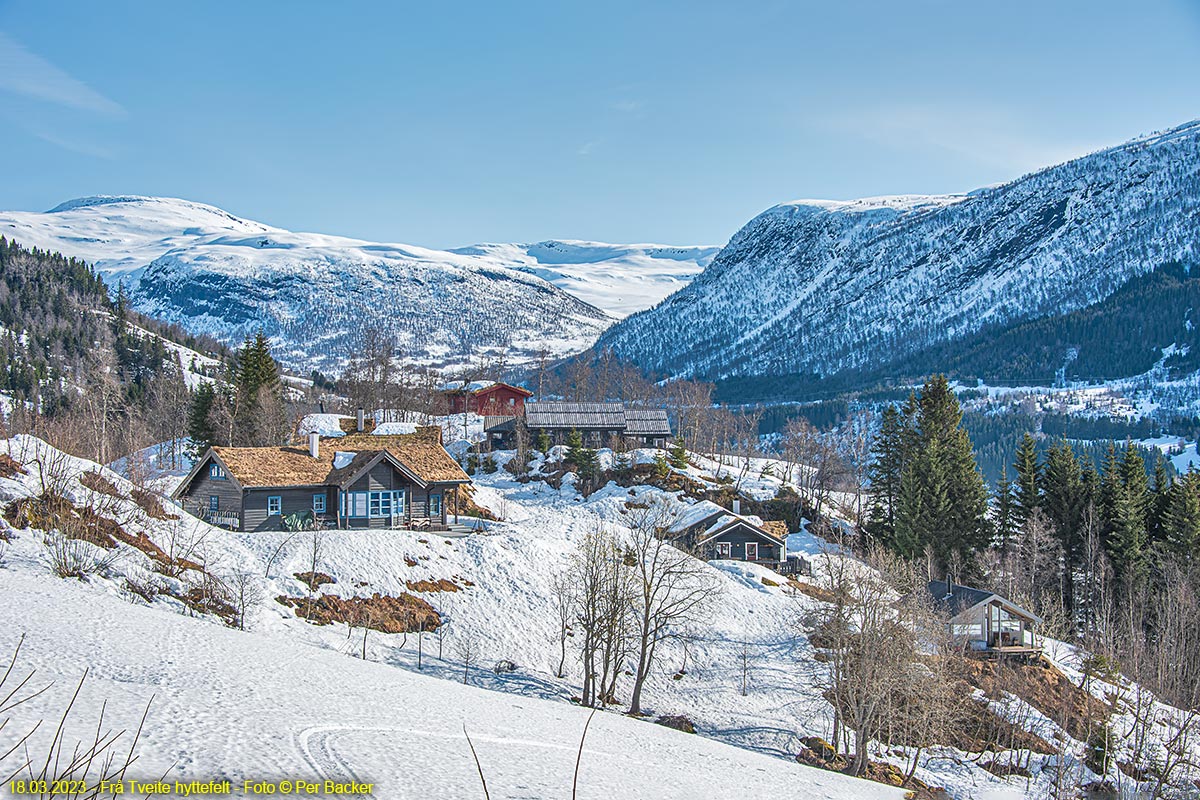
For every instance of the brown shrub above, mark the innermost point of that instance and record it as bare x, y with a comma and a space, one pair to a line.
10, 467
98, 483
676, 722
384, 613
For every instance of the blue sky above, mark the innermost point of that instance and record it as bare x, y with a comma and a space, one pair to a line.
448, 124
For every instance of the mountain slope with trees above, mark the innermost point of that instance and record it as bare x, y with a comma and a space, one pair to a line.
837, 293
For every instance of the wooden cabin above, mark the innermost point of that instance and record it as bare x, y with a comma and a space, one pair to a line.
985, 622
486, 398
713, 532
598, 424
356, 481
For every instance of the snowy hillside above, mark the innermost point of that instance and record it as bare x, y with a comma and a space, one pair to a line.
286, 698
826, 288
315, 295
619, 278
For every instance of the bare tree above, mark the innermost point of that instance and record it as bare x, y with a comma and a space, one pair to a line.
603, 594
671, 588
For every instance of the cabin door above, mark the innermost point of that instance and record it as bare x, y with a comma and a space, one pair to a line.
752, 551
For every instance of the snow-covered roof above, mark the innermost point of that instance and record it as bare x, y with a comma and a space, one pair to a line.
465, 386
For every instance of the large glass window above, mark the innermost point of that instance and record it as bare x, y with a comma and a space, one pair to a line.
356, 505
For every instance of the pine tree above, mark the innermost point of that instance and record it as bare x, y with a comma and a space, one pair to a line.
885, 476
678, 455
923, 507
1005, 511
1028, 484
200, 426
1063, 502
1181, 522
574, 448
1160, 499
543, 442
1129, 499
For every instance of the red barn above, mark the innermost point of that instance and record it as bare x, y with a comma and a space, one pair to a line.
486, 398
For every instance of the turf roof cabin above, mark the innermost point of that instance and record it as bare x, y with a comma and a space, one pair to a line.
713, 532
598, 424
356, 481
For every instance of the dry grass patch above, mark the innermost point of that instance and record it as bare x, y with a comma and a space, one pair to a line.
98, 483
1043, 687
440, 585
150, 503
813, 591
314, 579
383, 613
10, 467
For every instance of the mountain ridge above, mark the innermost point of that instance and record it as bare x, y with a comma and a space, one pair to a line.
834, 287
219, 274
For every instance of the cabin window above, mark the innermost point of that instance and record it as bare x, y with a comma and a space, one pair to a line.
435, 505
381, 504
752, 551
216, 472
356, 504
973, 630
724, 550
214, 503
318, 503
274, 505
399, 502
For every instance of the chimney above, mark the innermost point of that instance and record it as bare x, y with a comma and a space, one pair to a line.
361, 422
737, 505
314, 445
321, 406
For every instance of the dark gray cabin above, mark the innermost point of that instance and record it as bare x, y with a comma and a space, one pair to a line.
712, 532
598, 424
405, 481
984, 622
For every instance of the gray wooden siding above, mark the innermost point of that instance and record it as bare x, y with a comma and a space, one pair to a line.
203, 487
292, 499
737, 540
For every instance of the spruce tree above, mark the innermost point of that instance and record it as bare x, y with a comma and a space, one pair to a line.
200, 427
1160, 499
1181, 521
1126, 540
1005, 511
678, 455
1028, 484
885, 475
1063, 502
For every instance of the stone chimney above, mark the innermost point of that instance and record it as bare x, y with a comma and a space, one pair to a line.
361, 420
314, 445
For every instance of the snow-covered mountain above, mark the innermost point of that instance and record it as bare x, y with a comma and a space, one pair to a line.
823, 288
215, 273
622, 279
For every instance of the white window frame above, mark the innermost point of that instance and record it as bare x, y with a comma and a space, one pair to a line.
724, 550
318, 503
357, 505
747, 549
275, 505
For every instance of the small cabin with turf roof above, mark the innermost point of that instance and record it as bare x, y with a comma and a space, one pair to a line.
713, 532
355, 481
